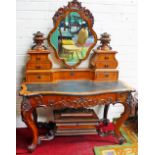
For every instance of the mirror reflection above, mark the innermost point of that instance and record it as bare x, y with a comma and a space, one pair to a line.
72, 38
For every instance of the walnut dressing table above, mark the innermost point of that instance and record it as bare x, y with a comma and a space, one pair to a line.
69, 86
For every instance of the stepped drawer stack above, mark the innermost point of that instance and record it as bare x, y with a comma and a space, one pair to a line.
75, 123
104, 62
38, 67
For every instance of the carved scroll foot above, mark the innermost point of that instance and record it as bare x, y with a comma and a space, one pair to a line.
32, 147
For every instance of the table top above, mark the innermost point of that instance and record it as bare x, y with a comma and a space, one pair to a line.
72, 87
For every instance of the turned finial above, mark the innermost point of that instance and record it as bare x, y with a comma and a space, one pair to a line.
39, 41
105, 41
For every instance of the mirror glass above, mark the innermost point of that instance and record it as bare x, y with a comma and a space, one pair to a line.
72, 38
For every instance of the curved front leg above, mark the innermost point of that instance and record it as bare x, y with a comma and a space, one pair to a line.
120, 121
27, 112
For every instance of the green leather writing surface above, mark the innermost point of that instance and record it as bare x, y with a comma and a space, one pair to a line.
79, 87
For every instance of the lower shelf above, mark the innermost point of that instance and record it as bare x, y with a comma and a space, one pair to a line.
76, 133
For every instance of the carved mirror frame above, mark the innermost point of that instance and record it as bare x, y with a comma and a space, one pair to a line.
61, 13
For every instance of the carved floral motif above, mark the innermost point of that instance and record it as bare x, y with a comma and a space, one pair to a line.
74, 5
78, 102
75, 101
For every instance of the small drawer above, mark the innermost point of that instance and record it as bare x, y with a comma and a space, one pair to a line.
72, 75
34, 66
39, 57
106, 76
105, 56
38, 77
106, 64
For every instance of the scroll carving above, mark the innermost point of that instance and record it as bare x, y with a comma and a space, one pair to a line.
26, 105
74, 101
75, 5
39, 100
77, 102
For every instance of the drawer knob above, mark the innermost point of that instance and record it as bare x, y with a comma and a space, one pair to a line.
38, 58
38, 67
106, 75
38, 77
106, 57
106, 66
71, 73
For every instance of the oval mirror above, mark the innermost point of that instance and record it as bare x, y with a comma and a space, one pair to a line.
72, 37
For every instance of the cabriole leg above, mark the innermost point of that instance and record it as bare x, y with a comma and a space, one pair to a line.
27, 112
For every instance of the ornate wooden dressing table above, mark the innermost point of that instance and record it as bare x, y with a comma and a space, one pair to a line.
69, 86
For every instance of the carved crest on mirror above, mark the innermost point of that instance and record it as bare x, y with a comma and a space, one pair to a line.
72, 37
74, 5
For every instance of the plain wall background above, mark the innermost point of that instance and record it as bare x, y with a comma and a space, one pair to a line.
117, 17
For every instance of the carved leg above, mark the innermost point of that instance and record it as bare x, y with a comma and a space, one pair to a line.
32, 125
26, 111
105, 119
120, 121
